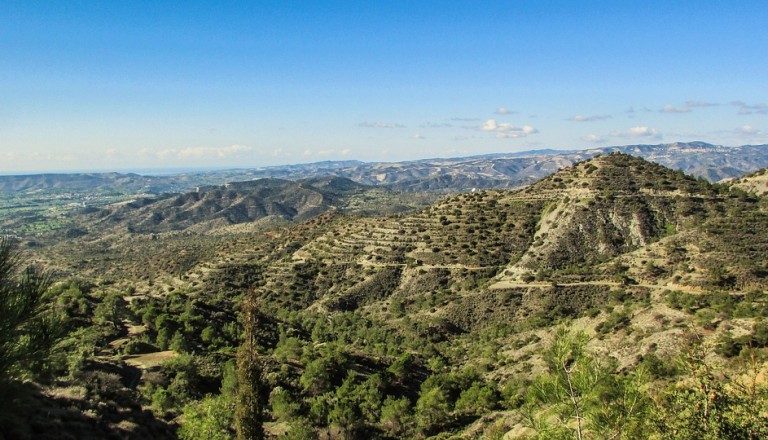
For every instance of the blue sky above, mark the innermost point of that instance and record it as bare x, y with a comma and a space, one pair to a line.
141, 84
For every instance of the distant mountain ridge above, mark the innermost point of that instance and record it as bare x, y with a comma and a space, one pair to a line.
509, 170
73, 181
498, 170
233, 203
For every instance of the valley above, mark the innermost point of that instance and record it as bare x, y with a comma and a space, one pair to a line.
271, 220
349, 310
43, 202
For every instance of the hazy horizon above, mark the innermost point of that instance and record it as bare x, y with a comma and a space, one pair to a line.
143, 85
161, 171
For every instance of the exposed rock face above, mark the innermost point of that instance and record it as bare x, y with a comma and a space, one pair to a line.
606, 221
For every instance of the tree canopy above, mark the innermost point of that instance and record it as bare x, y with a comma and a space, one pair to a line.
28, 329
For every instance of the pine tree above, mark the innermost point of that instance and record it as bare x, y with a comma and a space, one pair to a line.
581, 398
28, 326
248, 403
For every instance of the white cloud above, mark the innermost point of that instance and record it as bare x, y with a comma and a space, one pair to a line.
165, 154
489, 125
195, 153
687, 107
326, 152
38, 157
643, 132
593, 138
507, 131
748, 109
638, 132
345, 151
582, 118
748, 130
307, 153
669, 108
694, 104
417, 136
212, 152
380, 125
436, 125
504, 111
750, 134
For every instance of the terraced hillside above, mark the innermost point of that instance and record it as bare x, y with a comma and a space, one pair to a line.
439, 321
609, 223
602, 208
570, 224
610, 244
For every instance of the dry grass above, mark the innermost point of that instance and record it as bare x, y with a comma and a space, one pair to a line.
150, 360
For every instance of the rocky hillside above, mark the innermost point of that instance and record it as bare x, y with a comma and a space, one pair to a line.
239, 202
605, 207
414, 325
636, 254
580, 223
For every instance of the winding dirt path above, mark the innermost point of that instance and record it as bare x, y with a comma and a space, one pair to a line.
518, 284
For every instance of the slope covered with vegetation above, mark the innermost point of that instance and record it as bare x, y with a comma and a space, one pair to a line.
614, 299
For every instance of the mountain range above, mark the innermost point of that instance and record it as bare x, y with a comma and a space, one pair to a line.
233, 203
463, 296
504, 170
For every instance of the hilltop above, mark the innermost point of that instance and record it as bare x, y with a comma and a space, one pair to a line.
463, 296
578, 224
37, 204
258, 203
630, 251
233, 203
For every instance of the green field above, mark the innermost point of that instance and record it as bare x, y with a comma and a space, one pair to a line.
29, 213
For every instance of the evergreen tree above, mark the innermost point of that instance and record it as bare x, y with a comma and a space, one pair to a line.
28, 326
579, 397
208, 419
248, 403
710, 403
